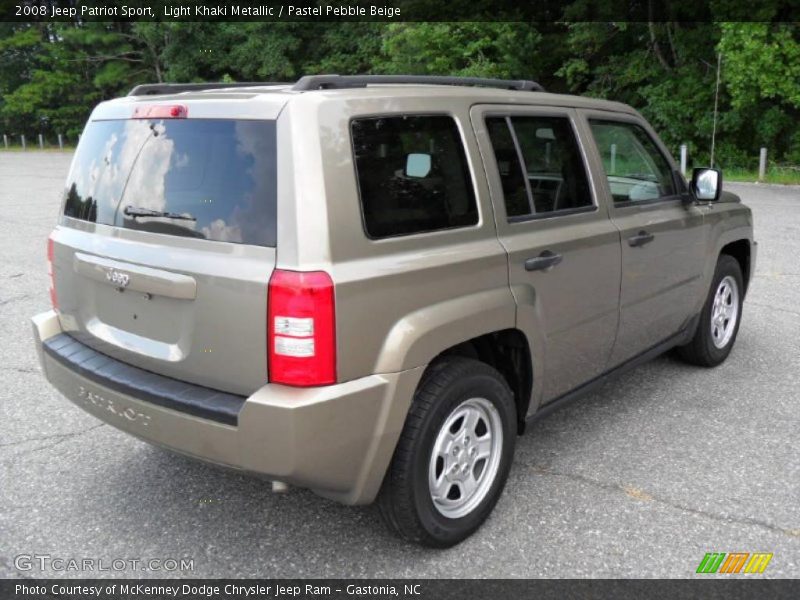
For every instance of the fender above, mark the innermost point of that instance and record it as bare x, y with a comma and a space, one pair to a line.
728, 222
420, 336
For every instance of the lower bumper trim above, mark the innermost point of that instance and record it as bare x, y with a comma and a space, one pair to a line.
181, 396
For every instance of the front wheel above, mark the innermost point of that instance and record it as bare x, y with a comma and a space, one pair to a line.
719, 321
453, 457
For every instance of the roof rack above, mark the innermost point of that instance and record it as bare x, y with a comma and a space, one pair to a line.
326, 82
151, 89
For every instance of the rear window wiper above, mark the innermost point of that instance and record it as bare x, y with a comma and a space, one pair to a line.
135, 211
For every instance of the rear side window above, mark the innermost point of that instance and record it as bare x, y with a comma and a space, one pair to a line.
540, 165
210, 179
413, 175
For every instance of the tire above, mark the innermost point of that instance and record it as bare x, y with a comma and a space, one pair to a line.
461, 407
710, 346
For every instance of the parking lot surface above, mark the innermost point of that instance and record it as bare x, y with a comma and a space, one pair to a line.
640, 479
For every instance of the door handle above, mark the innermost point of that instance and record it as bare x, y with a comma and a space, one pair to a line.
545, 260
641, 238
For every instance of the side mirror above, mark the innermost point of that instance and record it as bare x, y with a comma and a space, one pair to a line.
707, 184
418, 165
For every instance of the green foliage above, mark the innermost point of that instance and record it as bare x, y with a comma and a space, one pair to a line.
782, 176
346, 48
506, 50
761, 70
762, 61
51, 75
668, 72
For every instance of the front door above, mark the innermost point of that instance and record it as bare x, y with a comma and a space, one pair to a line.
663, 240
563, 251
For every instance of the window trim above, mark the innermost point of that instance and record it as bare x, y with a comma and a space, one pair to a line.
632, 120
522, 165
565, 212
470, 168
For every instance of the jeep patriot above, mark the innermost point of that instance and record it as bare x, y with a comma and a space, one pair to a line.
367, 285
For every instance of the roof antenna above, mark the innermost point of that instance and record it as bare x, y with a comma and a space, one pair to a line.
716, 101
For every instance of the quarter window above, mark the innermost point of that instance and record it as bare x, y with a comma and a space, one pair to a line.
540, 165
413, 175
635, 168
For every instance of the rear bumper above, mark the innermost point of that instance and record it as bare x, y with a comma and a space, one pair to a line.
336, 440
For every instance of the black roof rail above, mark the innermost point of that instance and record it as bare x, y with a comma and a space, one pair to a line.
151, 89
326, 82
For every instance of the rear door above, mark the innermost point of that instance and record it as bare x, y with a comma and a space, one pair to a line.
663, 239
166, 245
563, 252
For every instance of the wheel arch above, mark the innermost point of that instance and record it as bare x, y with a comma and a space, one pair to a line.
740, 250
508, 351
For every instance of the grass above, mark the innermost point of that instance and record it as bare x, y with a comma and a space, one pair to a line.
778, 175
35, 148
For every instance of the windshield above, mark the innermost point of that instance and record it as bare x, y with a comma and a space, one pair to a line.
211, 179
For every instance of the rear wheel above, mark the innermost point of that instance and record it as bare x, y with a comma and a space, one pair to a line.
453, 457
719, 321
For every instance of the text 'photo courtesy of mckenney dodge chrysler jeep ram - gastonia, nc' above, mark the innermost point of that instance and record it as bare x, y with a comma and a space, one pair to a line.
368, 285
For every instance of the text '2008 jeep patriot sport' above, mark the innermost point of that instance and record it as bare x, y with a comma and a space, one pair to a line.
366, 285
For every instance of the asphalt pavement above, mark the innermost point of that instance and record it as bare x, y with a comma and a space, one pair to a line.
640, 479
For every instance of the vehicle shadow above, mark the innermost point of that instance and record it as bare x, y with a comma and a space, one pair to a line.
232, 522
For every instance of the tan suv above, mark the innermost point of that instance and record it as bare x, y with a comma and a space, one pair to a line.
367, 285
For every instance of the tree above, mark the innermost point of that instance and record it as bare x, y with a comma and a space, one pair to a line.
52, 74
56, 73
485, 49
762, 77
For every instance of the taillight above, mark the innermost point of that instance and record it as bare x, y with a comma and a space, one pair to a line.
301, 331
51, 273
160, 111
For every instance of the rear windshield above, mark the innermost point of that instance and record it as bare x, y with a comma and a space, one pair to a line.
210, 179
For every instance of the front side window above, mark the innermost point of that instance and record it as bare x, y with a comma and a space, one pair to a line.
541, 168
635, 168
413, 175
